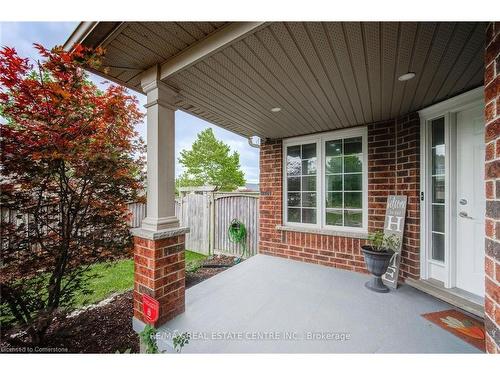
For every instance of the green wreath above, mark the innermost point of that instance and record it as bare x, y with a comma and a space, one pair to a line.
238, 234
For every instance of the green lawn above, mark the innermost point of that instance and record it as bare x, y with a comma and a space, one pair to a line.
192, 256
114, 277
193, 260
105, 279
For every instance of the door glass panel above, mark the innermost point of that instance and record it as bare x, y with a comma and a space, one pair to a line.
438, 218
438, 188
438, 132
438, 160
438, 247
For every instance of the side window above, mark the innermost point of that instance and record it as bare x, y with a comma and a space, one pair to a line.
301, 175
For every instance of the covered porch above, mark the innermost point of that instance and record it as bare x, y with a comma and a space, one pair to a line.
274, 305
316, 94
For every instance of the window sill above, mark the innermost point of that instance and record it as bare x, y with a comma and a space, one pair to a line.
328, 232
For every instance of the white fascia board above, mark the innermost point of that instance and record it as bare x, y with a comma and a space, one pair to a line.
81, 31
205, 47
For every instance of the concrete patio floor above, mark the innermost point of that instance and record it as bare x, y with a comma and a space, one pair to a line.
273, 305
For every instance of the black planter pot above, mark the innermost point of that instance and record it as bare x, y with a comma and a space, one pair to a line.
377, 263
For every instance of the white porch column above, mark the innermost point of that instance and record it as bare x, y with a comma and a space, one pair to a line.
159, 263
160, 152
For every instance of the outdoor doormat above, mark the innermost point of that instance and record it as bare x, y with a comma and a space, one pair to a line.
469, 329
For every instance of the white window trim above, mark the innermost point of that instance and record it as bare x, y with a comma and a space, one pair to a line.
320, 139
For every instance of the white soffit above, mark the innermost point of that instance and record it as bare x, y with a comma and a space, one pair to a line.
323, 76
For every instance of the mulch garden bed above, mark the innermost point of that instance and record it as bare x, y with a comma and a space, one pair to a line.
107, 328
210, 267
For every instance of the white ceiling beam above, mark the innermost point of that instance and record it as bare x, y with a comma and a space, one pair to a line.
208, 46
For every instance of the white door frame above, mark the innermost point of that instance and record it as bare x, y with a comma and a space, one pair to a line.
448, 110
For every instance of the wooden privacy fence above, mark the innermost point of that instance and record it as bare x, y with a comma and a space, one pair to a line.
245, 208
208, 215
138, 211
193, 211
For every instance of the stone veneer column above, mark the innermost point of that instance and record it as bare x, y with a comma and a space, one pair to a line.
492, 180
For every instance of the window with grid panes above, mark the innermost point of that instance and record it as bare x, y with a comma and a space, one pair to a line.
325, 181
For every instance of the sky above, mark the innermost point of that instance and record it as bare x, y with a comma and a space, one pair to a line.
22, 35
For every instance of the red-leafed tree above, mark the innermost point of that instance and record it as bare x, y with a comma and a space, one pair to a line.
70, 162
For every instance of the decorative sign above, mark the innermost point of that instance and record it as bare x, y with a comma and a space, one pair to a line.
394, 225
150, 308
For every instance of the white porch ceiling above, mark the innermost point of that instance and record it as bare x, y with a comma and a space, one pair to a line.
323, 75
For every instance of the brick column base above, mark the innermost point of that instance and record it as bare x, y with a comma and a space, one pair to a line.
159, 271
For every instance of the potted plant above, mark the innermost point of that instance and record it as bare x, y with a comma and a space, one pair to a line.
378, 254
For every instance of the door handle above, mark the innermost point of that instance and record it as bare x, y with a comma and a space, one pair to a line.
465, 215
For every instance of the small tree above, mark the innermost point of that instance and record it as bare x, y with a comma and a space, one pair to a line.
209, 162
70, 162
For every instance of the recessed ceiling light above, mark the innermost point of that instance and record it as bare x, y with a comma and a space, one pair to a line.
407, 76
275, 109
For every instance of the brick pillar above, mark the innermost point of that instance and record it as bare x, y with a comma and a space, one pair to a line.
394, 168
270, 208
159, 271
381, 170
492, 180
408, 183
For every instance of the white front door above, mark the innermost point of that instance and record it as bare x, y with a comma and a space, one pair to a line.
470, 201
453, 201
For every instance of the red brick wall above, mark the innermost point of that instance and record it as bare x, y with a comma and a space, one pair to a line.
492, 177
393, 168
159, 271
408, 183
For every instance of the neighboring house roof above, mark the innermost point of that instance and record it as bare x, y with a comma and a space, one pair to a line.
323, 75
